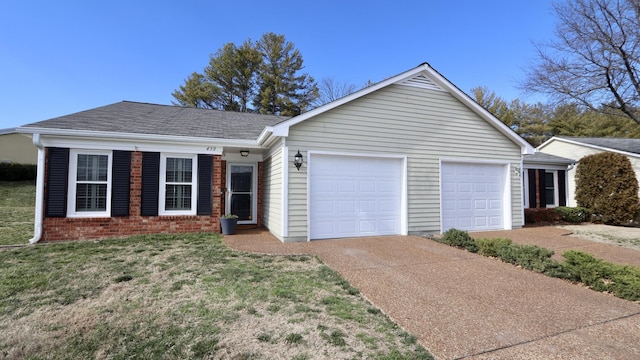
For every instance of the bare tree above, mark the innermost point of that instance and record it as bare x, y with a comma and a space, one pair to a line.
595, 59
330, 90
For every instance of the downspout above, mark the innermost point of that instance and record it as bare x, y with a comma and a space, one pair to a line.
37, 227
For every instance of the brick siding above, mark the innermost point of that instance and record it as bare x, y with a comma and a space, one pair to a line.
98, 228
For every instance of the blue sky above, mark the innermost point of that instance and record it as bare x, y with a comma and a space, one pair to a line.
60, 57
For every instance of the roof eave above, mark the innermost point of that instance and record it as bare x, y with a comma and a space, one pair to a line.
133, 136
571, 141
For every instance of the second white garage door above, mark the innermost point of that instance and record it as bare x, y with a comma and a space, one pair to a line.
351, 196
473, 196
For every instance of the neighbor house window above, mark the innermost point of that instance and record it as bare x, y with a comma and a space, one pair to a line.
89, 183
550, 188
178, 191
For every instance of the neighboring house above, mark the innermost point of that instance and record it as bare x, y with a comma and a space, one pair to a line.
16, 148
578, 147
411, 154
545, 180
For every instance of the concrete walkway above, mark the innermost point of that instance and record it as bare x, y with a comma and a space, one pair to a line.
463, 305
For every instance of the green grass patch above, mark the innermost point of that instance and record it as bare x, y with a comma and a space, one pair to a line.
17, 204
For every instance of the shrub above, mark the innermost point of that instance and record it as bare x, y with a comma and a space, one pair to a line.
459, 238
531, 257
489, 247
607, 186
573, 214
17, 172
621, 280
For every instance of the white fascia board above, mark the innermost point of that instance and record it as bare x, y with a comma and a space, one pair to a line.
135, 142
133, 136
265, 135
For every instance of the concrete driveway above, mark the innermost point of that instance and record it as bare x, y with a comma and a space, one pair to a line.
463, 305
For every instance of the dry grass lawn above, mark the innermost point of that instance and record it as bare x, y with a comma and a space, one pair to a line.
184, 296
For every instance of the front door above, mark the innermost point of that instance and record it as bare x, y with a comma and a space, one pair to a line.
241, 185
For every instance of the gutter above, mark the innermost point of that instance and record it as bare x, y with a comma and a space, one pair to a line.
37, 226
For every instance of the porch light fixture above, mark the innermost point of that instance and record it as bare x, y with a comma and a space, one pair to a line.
244, 153
297, 160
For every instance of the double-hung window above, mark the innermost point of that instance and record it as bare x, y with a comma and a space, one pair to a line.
178, 184
90, 187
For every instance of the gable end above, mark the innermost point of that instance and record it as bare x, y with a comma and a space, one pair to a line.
422, 82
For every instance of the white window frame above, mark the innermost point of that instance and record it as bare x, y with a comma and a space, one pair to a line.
556, 195
163, 185
73, 184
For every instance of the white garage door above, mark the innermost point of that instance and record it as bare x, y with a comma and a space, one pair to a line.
352, 196
473, 196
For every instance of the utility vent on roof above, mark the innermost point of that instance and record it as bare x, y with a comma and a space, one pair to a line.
422, 81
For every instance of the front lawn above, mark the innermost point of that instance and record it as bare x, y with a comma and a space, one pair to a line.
17, 201
184, 296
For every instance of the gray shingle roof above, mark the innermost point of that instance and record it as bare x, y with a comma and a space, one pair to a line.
620, 144
143, 118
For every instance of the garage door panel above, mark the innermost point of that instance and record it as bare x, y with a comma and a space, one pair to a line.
472, 196
325, 207
480, 205
367, 186
365, 194
346, 206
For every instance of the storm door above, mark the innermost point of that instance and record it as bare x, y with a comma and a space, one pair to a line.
241, 192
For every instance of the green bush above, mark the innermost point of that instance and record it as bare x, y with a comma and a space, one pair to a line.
621, 280
573, 214
17, 172
489, 247
531, 257
459, 238
606, 184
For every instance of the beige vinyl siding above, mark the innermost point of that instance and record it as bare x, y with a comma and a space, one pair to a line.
577, 152
17, 148
272, 185
425, 125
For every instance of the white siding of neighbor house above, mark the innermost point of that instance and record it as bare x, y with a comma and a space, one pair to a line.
425, 125
272, 190
577, 152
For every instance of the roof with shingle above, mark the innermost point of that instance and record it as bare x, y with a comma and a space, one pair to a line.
143, 118
620, 144
542, 158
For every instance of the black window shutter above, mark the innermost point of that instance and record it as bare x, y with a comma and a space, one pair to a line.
120, 182
542, 183
205, 182
57, 182
562, 188
531, 173
150, 183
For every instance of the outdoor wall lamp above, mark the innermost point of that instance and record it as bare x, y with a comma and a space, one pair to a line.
244, 153
297, 160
